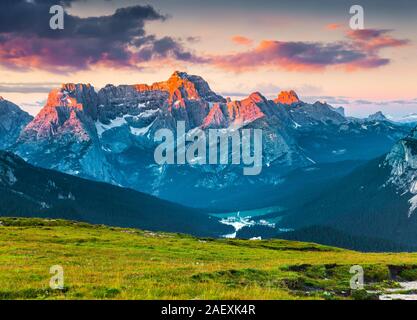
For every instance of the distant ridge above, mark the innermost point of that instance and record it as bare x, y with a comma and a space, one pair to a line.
27, 191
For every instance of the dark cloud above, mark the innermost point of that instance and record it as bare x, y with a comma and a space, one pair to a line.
166, 47
193, 39
28, 16
26, 40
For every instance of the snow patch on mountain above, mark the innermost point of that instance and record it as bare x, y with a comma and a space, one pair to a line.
7, 176
141, 131
118, 122
296, 125
413, 203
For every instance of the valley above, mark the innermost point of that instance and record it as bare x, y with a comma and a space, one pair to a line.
248, 218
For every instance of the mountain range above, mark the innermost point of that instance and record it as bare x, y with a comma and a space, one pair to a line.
109, 136
354, 176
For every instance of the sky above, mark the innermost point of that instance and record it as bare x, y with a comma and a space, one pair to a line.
237, 46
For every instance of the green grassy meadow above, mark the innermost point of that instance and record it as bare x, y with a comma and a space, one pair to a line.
102, 262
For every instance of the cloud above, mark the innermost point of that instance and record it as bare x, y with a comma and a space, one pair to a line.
342, 100
360, 50
163, 48
30, 87
338, 100
291, 56
375, 39
333, 26
117, 40
362, 101
193, 39
404, 102
241, 40
237, 94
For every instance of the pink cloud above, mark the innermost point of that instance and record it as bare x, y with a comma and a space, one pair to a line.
375, 39
333, 26
241, 40
360, 50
